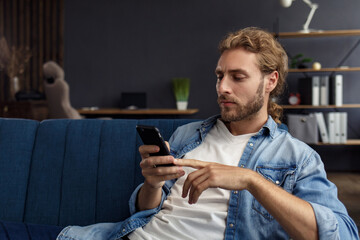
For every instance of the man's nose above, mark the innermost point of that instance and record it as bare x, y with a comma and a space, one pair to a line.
223, 85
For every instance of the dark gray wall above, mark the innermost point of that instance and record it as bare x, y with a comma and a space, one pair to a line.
114, 46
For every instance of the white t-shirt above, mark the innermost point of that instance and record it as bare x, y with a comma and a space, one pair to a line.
207, 218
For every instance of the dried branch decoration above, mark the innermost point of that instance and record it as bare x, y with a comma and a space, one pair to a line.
4, 53
13, 61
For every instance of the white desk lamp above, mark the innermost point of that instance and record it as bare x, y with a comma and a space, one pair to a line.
313, 6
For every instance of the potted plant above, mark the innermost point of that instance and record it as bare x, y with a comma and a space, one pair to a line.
181, 88
299, 61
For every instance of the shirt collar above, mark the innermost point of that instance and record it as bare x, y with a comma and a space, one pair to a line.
269, 127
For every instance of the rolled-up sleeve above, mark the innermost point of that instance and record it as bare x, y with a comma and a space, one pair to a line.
132, 200
331, 215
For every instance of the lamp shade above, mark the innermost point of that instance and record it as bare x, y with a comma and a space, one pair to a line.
286, 3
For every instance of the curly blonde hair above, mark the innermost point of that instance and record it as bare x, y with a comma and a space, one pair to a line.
271, 57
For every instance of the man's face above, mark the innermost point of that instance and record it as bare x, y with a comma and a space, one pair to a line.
240, 85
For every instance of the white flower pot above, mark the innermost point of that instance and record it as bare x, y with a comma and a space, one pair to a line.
181, 105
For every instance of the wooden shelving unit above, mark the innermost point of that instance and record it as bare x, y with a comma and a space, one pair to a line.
310, 70
350, 142
320, 107
334, 33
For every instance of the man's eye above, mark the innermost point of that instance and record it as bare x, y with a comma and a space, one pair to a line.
238, 78
219, 77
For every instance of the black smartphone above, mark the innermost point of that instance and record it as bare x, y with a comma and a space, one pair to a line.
150, 135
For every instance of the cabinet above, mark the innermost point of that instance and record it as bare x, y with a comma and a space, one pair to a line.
337, 33
37, 110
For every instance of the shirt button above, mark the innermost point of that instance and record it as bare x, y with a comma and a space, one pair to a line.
231, 225
123, 230
242, 165
251, 144
277, 182
235, 192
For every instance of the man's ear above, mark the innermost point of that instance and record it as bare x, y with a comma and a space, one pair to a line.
271, 81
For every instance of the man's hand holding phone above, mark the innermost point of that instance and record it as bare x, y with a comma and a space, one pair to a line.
157, 164
158, 169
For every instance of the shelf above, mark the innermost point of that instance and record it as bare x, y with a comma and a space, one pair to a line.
350, 142
334, 33
320, 107
352, 69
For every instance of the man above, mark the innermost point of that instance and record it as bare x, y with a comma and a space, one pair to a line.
238, 175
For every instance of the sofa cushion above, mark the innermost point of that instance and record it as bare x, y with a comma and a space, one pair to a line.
71, 172
17, 138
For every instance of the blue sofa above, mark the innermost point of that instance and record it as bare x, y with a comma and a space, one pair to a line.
63, 172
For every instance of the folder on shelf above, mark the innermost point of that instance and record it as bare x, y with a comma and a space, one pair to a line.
303, 127
315, 91
343, 127
324, 90
330, 117
337, 127
336, 90
304, 88
309, 89
322, 127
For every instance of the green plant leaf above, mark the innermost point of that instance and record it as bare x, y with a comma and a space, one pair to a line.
304, 60
181, 88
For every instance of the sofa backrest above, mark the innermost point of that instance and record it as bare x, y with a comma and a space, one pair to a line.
71, 172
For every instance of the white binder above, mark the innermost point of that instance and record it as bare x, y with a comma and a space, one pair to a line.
343, 127
315, 91
331, 126
324, 90
338, 90
322, 127
337, 127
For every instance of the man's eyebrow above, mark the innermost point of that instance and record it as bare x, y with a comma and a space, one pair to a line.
238, 71
242, 71
218, 71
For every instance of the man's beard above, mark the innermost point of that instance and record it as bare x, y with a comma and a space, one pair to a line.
242, 111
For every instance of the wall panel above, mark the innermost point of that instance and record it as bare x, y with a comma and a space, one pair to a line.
38, 26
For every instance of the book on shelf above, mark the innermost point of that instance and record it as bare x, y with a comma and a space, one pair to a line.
336, 90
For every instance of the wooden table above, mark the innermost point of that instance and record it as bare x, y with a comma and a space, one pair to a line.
136, 113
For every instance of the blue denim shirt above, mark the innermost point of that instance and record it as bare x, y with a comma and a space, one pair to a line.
278, 157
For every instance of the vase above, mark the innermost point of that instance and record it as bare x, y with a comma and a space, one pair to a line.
181, 105
14, 87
